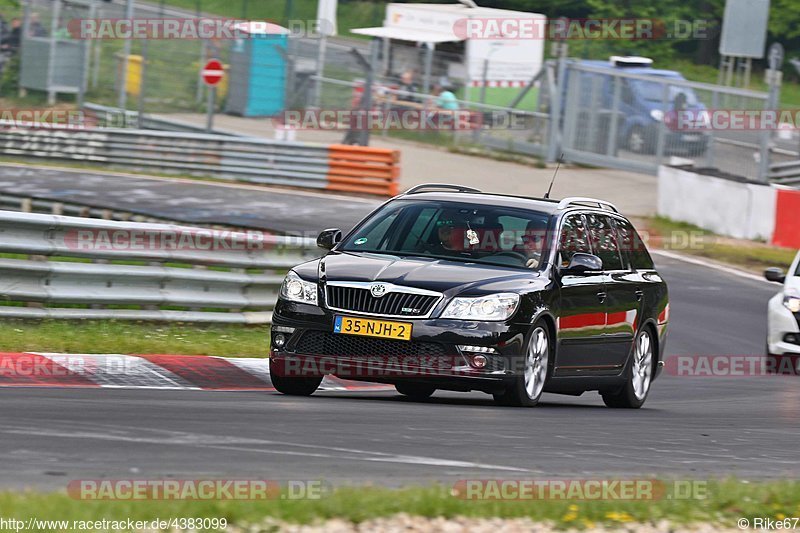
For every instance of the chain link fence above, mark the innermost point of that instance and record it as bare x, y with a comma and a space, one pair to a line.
615, 118
594, 114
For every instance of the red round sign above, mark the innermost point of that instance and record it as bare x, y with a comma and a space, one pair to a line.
212, 73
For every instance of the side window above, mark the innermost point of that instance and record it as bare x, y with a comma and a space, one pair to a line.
573, 239
632, 243
604, 241
377, 234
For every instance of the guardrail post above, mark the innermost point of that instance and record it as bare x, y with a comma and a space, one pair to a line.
766, 136
662, 127
556, 86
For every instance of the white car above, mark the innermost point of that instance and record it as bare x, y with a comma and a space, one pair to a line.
783, 311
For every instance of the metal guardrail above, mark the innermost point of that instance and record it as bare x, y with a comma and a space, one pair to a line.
70, 267
317, 166
785, 173
27, 204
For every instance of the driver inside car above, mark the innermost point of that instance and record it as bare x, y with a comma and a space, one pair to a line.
451, 231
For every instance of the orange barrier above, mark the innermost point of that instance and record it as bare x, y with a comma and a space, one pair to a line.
787, 219
363, 169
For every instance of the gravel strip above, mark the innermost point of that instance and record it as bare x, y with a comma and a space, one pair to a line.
403, 523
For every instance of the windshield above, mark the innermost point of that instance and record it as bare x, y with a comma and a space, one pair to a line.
653, 91
458, 231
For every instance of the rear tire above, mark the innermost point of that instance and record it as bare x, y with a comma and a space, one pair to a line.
415, 391
293, 386
528, 386
639, 375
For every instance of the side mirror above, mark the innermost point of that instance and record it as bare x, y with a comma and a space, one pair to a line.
328, 238
582, 263
775, 274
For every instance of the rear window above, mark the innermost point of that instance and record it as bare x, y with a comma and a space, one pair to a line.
633, 245
573, 239
604, 241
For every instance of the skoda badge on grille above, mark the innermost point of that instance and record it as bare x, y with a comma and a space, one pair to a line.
377, 289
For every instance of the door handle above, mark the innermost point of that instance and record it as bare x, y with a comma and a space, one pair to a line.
602, 296
639, 294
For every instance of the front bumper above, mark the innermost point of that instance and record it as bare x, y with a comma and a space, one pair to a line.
432, 355
683, 142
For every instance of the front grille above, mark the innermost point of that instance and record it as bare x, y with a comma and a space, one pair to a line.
314, 342
393, 303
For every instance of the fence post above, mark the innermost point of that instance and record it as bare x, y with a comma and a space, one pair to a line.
661, 128
122, 97
712, 135
611, 149
142, 84
51, 60
554, 137
766, 135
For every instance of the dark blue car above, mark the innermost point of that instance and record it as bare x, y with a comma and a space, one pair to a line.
642, 109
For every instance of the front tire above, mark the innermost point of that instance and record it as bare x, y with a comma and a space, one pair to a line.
639, 375
528, 387
415, 391
293, 386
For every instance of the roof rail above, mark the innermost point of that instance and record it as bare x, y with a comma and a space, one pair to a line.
579, 200
434, 186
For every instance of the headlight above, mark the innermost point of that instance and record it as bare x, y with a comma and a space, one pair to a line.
297, 290
657, 115
494, 307
791, 300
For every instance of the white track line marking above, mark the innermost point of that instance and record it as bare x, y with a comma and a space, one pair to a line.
264, 447
709, 264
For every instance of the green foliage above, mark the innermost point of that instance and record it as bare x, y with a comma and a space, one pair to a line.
722, 504
9, 80
784, 23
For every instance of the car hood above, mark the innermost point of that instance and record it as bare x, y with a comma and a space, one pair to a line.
793, 283
449, 277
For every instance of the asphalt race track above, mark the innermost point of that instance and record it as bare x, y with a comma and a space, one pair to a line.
690, 427
189, 201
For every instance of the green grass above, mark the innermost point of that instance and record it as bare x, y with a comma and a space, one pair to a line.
503, 96
790, 92
726, 502
130, 337
687, 238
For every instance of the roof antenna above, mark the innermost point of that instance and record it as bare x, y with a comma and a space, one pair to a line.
558, 165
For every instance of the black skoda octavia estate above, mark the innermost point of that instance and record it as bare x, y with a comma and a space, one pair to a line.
445, 287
